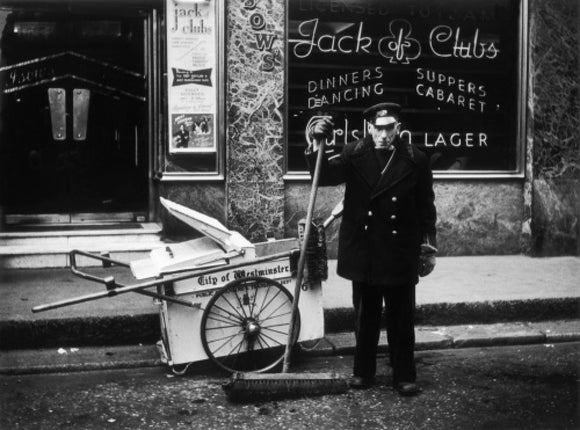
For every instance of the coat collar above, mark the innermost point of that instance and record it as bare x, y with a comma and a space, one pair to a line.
366, 165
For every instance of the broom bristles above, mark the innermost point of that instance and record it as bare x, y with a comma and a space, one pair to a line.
248, 387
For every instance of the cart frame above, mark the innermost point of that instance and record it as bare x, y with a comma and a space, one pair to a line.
253, 348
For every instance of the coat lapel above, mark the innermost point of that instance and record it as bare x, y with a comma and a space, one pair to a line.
401, 166
365, 164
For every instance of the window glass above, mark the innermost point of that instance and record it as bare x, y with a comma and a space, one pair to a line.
452, 65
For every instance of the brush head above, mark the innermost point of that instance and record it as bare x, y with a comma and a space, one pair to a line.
252, 387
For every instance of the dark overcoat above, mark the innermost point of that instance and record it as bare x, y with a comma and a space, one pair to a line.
387, 216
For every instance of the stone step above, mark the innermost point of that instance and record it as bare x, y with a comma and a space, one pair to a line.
49, 249
62, 236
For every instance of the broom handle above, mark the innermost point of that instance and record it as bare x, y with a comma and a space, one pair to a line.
302, 259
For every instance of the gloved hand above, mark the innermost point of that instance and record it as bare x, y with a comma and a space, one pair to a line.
427, 259
319, 128
426, 265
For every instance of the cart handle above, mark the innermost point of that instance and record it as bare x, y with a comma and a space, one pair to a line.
114, 288
107, 262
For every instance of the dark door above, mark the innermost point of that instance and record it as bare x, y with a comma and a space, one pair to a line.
73, 115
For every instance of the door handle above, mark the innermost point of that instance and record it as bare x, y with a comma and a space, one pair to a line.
81, 99
57, 103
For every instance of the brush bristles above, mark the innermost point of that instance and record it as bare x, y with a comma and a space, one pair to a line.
245, 387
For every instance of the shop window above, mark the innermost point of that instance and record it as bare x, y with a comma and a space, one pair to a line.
456, 68
194, 114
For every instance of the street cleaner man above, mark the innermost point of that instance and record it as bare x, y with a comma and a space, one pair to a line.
387, 236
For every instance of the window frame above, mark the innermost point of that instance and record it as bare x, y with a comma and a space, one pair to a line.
519, 172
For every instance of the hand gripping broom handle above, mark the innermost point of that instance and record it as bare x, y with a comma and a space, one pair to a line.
302, 259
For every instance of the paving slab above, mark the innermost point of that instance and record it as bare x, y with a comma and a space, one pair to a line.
558, 331
469, 279
493, 335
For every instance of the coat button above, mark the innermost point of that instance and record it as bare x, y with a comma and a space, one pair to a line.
393, 216
394, 199
370, 213
394, 232
366, 227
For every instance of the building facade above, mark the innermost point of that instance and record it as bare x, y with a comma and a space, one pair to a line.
107, 106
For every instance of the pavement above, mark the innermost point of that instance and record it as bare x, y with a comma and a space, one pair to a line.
467, 301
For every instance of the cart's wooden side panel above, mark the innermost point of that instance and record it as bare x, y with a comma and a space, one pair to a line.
183, 332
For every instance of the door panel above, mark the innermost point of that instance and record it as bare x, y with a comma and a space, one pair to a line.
73, 114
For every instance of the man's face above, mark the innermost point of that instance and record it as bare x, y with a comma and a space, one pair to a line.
383, 135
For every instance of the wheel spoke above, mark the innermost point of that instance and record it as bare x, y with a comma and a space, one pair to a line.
274, 311
237, 317
265, 297
214, 352
238, 346
260, 343
254, 301
221, 327
233, 307
276, 316
224, 320
271, 338
228, 337
268, 304
240, 302
276, 325
276, 331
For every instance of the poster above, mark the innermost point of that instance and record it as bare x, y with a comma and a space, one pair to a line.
191, 76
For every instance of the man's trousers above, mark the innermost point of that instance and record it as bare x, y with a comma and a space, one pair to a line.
399, 302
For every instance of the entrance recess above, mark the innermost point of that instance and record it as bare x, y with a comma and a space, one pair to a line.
73, 116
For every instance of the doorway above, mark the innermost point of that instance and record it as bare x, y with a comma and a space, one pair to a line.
74, 132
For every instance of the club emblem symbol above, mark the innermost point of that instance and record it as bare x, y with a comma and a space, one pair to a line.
400, 47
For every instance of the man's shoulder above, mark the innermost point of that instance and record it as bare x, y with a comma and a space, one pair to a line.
418, 155
420, 158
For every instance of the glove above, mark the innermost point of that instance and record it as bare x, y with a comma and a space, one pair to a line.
426, 265
318, 128
427, 259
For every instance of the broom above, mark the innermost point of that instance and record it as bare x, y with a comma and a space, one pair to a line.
245, 387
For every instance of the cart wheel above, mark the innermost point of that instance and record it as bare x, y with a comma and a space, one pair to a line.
245, 325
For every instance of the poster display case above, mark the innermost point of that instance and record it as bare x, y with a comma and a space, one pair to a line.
193, 70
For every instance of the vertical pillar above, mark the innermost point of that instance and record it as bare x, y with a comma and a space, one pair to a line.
527, 221
554, 173
255, 137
